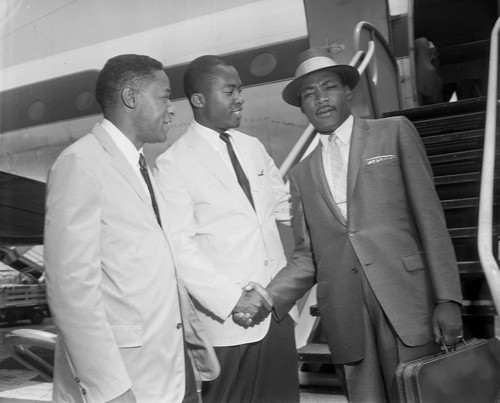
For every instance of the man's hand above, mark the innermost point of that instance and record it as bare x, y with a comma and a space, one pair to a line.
264, 294
447, 322
261, 290
252, 308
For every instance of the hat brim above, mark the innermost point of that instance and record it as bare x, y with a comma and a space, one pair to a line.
291, 93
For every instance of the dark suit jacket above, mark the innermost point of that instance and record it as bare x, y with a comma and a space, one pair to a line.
395, 233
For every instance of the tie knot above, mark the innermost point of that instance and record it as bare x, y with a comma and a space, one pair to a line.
332, 138
142, 161
225, 137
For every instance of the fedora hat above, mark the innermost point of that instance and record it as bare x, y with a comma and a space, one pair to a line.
310, 61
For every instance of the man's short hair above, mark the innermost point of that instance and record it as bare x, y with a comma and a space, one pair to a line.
200, 74
122, 71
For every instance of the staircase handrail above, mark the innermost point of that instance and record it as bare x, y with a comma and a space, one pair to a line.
485, 221
361, 60
372, 67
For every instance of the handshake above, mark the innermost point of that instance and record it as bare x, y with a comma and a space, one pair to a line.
254, 305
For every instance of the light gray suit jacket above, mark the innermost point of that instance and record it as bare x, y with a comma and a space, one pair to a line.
221, 242
111, 280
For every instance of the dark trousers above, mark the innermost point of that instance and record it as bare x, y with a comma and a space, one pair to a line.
262, 372
373, 379
191, 394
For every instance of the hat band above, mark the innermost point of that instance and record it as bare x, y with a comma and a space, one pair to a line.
315, 63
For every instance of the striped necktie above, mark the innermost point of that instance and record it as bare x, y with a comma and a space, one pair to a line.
339, 174
238, 169
145, 174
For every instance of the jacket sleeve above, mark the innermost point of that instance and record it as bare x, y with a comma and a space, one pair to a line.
428, 215
280, 190
299, 275
73, 268
210, 287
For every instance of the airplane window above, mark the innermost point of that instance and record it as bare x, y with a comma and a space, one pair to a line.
263, 64
84, 100
36, 110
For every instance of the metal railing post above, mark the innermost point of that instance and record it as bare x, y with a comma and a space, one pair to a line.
485, 224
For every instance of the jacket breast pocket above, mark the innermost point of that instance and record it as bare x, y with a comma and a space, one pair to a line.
414, 261
128, 335
382, 166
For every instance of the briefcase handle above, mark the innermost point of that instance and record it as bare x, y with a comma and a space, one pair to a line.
446, 349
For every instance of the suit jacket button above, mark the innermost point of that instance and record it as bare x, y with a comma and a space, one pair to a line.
266, 262
77, 380
84, 392
179, 325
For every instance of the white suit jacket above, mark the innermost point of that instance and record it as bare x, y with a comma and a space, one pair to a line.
111, 280
221, 242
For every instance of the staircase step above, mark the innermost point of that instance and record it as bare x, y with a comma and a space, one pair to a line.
453, 142
485, 307
462, 203
448, 124
465, 242
469, 232
458, 186
315, 353
457, 167
323, 394
456, 156
459, 178
449, 139
442, 109
465, 212
471, 269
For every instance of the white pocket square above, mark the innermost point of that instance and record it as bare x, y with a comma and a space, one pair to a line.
380, 158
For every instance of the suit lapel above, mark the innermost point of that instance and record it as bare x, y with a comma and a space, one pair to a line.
204, 152
321, 182
120, 162
358, 144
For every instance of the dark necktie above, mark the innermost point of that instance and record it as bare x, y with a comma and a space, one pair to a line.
240, 174
144, 171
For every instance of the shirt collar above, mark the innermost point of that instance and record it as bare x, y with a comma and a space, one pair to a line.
123, 143
210, 135
343, 132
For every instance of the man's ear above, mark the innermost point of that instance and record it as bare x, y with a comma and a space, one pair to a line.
348, 92
197, 100
128, 96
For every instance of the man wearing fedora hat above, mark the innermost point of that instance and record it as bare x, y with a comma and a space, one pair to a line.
370, 232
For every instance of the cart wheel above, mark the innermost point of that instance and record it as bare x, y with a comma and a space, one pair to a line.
11, 317
36, 316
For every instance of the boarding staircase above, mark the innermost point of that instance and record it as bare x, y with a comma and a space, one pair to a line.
453, 135
27, 260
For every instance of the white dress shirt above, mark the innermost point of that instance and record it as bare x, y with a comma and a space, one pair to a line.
127, 148
213, 138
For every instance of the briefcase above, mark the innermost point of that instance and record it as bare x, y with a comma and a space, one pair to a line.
468, 373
